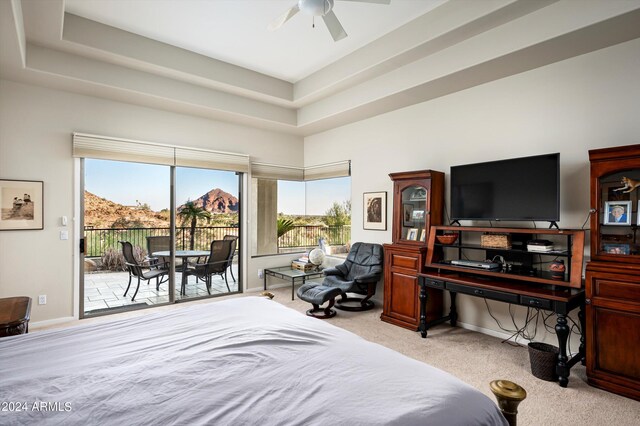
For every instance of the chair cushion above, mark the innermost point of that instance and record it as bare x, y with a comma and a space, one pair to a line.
317, 294
338, 282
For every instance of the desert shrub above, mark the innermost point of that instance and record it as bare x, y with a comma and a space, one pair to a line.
113, 260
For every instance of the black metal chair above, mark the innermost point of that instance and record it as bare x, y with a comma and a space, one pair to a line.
234, 244
156, 244
359, 274
137, 269
216, 263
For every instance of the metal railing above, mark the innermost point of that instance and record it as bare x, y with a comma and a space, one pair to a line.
98, 240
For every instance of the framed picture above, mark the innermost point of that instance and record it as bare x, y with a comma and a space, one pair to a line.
617, 213
423, 235
407, 214
417, 215
617, 248
21, 205
412, 234
375, 211
638, 220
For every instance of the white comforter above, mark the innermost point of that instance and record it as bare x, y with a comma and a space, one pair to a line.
243, 361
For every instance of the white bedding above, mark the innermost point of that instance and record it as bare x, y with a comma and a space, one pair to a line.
237, 362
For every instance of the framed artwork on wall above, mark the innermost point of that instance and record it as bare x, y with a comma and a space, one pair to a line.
375, 211
617, 213
21, 205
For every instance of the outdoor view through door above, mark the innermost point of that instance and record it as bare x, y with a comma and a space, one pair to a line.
128, 234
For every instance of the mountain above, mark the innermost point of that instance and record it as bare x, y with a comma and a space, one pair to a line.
217, 201
102, 213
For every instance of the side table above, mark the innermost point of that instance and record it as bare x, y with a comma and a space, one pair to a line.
15, 313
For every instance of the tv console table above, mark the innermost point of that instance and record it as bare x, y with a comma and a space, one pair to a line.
560, 300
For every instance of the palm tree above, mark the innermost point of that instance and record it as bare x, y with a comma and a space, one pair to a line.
191, 212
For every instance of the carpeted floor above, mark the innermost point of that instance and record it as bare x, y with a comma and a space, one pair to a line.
478, 359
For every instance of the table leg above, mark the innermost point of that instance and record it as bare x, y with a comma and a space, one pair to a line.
453, 312
422, 327
264, 279
562, 331
183, 287
582, 349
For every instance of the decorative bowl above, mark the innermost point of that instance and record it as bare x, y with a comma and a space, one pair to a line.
447, 238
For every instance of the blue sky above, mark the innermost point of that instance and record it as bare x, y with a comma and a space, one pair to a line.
129, 183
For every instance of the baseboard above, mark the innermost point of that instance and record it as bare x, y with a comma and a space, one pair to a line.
46, 323
487, 331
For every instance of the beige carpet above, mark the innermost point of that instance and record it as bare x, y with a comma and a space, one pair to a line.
478, 359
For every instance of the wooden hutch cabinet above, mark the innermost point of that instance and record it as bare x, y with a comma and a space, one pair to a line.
613, 274
418, 200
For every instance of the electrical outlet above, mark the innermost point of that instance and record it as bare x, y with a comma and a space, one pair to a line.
42, 299
260, 273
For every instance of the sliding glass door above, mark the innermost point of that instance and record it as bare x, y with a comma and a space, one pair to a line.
148, 231
207, 211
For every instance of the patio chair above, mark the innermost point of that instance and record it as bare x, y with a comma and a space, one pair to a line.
156, 244
216, 263
234, 239
137, 269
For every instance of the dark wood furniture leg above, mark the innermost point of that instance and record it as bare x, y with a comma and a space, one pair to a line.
423, 311
453, 312
562, 331
583, 348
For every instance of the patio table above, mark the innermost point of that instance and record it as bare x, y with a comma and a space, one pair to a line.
184, 255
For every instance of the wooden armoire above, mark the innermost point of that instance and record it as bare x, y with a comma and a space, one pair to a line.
613, 274
418, 200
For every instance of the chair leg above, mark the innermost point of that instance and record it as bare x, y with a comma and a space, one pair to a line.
231, 271
129, 285
208, 282
158, 283
227, 282
137, 288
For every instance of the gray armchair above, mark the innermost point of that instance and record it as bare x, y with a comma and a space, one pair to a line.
359, 274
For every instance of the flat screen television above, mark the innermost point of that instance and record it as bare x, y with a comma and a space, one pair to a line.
517, 189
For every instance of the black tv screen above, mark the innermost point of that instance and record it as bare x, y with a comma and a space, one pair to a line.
525, 188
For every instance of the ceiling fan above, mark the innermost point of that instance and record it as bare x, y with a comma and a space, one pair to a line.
322, 8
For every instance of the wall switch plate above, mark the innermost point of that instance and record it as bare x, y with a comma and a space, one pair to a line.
64, 235
260, 273
63, 221
42, 299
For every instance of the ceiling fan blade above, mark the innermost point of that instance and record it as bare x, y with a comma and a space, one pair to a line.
334, 26
277, 23
372, 1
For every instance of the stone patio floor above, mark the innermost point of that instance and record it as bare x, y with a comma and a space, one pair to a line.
105, 290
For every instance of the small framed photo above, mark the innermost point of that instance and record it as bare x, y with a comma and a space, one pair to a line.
407, 214
21, 205
617, 213
375, 211
638, 220
617, 249
412, 234
423, 235
417, 215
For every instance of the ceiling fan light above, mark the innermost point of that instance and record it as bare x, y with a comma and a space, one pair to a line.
315, 7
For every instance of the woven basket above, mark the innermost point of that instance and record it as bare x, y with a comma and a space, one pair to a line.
496, 240
543, 359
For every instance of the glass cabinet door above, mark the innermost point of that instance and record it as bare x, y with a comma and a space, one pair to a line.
619, 213
414, 211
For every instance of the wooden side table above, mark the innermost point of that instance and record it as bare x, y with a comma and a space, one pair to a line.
14, 315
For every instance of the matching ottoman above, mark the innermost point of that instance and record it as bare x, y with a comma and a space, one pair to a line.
317, 294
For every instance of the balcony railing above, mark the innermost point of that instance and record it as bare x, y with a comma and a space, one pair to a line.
97, 241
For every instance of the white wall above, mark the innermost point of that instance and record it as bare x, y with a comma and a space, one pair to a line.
590, 101
35, 144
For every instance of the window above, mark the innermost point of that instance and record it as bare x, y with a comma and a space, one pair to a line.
293, 216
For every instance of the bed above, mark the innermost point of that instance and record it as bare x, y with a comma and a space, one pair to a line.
242, 361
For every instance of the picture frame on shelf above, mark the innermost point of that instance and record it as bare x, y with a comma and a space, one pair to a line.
638, 213
419, 194
375, 211
412, 234
21, 205
423, 235
407, 214
617, 249
617, 213
417, 215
